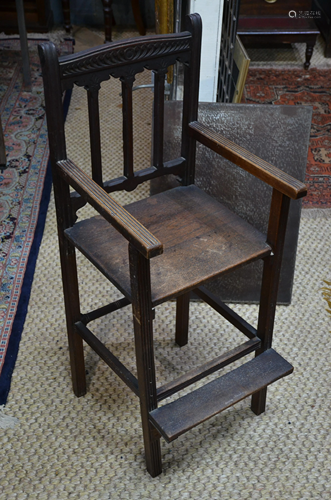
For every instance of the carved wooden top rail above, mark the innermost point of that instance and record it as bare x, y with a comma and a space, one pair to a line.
125, 58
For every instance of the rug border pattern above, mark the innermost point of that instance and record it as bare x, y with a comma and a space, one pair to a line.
36, 195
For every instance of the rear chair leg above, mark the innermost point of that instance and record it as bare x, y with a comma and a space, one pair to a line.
182, 319
259, 400
72, 307
70, 281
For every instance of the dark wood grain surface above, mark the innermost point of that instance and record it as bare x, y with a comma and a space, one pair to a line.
261, 169
177, 417
192, 227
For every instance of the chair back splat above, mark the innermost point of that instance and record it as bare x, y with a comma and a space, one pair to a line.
165, 246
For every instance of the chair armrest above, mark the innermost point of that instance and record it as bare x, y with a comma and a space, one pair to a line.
261, 169
113, 212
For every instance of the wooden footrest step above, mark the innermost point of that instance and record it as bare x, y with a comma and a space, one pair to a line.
175, 418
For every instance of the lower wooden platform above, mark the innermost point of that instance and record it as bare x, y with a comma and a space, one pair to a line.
173, 419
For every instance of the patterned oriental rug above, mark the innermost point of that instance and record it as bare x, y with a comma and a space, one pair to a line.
313, 87
25, 185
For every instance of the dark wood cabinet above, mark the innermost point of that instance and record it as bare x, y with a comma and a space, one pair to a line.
324, 22
260, 8
38, 16
262, 22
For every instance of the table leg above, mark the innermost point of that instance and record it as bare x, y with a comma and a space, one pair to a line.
137, 17
309, 53
108, 15
24, 44
66, 15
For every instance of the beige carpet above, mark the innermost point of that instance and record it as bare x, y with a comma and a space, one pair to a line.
61, 447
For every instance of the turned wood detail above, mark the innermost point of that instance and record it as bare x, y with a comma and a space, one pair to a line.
137, 50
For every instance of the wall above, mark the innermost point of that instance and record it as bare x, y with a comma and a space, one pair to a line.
211, 12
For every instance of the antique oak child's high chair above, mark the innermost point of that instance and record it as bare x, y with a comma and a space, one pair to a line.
167, 245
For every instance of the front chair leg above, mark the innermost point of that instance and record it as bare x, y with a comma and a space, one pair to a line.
182, 319
143, 332
279, 210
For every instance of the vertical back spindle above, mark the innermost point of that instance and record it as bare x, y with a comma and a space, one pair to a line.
158, 118
127, 83
95, 141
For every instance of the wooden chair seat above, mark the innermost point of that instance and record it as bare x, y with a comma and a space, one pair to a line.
192, 226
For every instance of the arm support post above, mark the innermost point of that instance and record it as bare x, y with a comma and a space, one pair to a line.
113, 212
